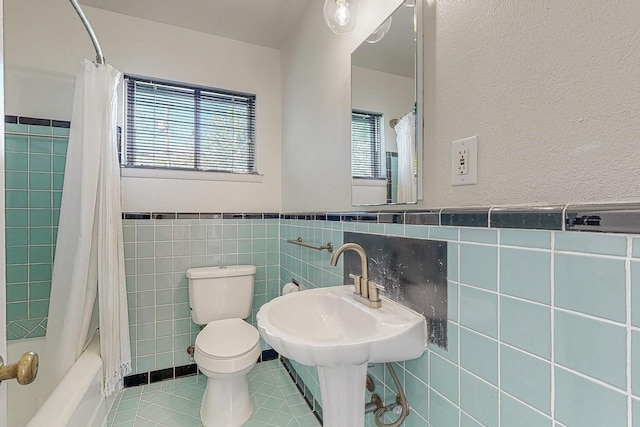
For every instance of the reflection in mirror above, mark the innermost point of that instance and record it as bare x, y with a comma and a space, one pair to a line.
385, 130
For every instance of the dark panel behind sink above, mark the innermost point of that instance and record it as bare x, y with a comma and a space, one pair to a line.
413, 272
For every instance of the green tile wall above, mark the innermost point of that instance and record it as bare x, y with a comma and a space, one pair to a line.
157, 256
34, 172
543, 327
545, 330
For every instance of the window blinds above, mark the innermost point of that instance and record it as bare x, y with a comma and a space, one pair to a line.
176, 126
366, 144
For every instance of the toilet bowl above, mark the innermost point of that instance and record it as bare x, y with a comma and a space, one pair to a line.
225, 352
227, 348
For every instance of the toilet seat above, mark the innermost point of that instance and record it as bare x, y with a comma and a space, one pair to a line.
227, 346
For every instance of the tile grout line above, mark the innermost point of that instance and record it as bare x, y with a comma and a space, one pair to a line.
562, 309
429, 357
155, 294
553, 319
524, 403
628, 331
591, 379
521, 299
498, 327
577, 253
523, 248
462, 411
591, 317
459, 250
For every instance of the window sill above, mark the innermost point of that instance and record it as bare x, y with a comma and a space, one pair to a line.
188, 175
369, 182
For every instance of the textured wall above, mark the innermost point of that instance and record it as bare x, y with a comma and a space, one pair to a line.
551, 88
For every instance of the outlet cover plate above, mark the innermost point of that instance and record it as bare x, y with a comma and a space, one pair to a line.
469, 146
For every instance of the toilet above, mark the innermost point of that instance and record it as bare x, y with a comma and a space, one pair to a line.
228, 347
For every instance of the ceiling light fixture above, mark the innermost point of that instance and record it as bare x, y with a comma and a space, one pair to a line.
341, 15
380, 32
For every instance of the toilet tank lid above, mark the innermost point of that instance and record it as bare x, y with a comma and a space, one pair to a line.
221, 271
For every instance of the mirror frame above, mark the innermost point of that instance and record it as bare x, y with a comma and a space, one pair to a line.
420, 112
419, 100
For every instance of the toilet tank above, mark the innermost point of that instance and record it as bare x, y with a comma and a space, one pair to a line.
217, 293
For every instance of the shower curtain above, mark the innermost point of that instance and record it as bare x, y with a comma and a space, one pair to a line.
89, 258
405, 131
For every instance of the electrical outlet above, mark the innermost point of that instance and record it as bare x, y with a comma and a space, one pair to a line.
464, 161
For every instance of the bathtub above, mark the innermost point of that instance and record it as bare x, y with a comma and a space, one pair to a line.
76, 401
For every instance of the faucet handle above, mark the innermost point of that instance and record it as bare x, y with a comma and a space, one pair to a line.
373, 291
357, 282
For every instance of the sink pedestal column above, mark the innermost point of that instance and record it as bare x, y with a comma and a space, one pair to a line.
342, 389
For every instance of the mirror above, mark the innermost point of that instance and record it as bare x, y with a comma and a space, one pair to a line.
386, 128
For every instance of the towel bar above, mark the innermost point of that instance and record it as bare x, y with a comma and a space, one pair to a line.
298, 241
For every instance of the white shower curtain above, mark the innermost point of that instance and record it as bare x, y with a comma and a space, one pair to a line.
89, 257
405, 131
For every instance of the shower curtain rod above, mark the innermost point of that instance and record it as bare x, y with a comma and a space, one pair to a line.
96, 45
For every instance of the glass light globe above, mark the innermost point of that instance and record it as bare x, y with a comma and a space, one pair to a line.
341, 15
380, 32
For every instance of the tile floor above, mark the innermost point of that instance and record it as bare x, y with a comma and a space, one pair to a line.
276, 400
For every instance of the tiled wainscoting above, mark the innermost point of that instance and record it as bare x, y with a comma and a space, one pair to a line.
34, 164
158, 253
544, 326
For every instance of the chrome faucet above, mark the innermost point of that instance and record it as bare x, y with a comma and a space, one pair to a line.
366, 291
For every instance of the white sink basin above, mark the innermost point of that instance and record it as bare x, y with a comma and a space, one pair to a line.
326, 327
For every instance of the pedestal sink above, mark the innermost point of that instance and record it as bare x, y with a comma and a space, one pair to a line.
325, 327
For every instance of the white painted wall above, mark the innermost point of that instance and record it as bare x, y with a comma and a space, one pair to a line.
45, 42
551, 88
316, 92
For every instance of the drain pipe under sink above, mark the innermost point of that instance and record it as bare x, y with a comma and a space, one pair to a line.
379, 410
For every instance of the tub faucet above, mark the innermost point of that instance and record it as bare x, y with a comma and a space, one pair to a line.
366, 291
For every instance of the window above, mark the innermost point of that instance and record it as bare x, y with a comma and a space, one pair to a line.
366, 145
175, 126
